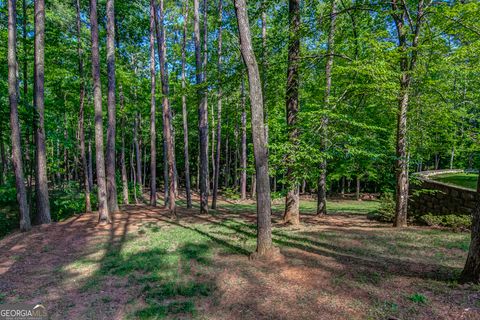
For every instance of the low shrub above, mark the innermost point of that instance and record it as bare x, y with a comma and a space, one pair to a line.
386, 211
231, 193
453, 221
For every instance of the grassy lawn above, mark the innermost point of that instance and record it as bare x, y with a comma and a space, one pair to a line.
465, 180
341, 267
310, 207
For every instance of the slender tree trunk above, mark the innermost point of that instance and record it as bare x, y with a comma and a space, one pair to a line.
401, 163
235, 160
322, 180
357, 193
202, 114
184, 110
65, 139
452, 156
228, 159
57, 177
30, 127
144, 158
167, 113
212, 144
112, 200
14, 123
264, 233
243, 154
97, 101
205, 63
81, 116
292, 199
253, 191
219, 109
122, 154
132, 165
264, 64
124, 170
407, 66
41, 180
153, 109
90, 164
138, 156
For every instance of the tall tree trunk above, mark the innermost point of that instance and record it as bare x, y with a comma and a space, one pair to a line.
41, 180
167, 113
144, 158
400, 13
264, 233
153, 109
122, 154
90, 164
292, 199
228, 159
243, 154
30, 127
322, 180
65, 139
14, 123
202, 114
264, 64
401, 162
205, 62
235, 160
81, 116
138, 156
112, 200
184, 110
132, 165
97, 101
219, 109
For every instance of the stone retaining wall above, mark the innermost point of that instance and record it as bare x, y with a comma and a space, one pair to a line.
430, 196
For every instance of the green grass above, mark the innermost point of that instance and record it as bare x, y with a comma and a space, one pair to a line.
465, 180
333, 207
172, 266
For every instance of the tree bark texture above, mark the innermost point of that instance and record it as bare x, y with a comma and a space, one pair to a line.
264, 232
25, 224
41, 180
112, 200
292, 199
97, 101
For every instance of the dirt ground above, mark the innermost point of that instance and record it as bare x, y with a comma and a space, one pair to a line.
333, 279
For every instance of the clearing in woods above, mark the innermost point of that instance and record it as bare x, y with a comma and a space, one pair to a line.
147, 266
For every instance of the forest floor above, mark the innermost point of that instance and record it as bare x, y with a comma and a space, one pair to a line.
147, 266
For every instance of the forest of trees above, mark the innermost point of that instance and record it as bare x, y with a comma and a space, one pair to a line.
260, 99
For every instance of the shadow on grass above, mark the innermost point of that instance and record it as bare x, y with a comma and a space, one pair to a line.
153, 267
165, 278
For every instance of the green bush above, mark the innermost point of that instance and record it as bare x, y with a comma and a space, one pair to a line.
453, 221
386, 211
8, 208
231, 193
277, 195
